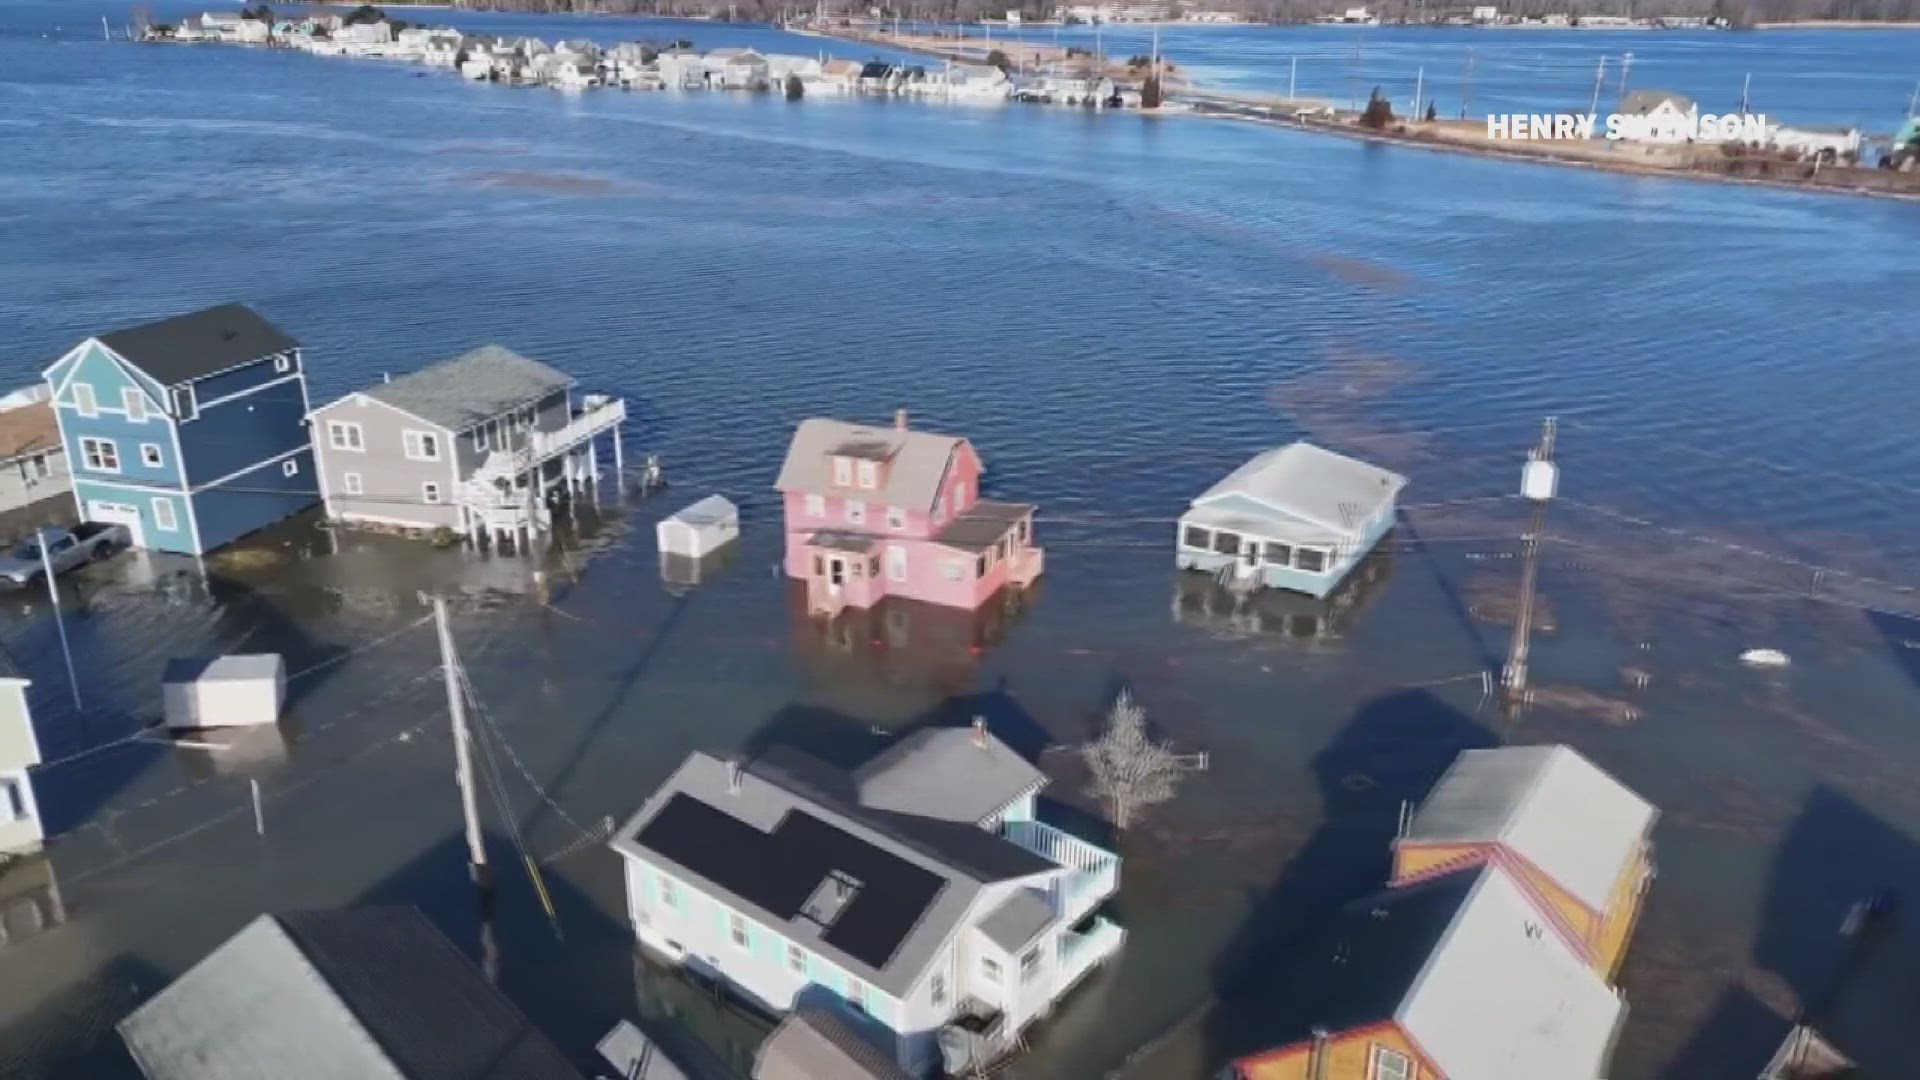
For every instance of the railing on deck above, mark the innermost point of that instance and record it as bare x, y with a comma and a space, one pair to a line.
1080, 952
1026, 569
1095, 871
593, 420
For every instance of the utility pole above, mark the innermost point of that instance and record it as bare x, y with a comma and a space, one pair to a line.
1626, 65
59, 619
1538, 483
1599, 77
1913, 101
1466, 84
1745, 87
462, 751
1293, 78
1419, 88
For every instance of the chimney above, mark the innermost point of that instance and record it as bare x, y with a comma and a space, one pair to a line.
733, 778
980, 732
900, 419
1317, 1057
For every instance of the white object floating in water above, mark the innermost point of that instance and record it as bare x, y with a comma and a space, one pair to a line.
700, 529
1764, 658
225, 691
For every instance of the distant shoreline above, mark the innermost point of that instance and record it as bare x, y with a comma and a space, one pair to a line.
1840, 24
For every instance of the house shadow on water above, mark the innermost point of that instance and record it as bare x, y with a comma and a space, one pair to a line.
1390, 753
70, 1033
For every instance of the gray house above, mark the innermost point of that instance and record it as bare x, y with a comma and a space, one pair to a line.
917, 892
374, 993
475, 444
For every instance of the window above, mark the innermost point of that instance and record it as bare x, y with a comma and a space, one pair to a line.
1390, 1065
896, 564
421, 445
430, 492
990, 969
290, 467
737, 930
1310, 560
669, 892
938, 988
980, 566
186, 404
135, 403
283, 363
940, 510
163, 518
842, 471
856, 993
1279, 554
953, 570
1226, 543
14, 806
352, 483
869, 475
959, 495
480, 438
1029, 965
40, 468
343, 435
796, 959
150, 455
101, 455
896, 518
856, 513
816, 506
83, 402
1024, 525
1196, 537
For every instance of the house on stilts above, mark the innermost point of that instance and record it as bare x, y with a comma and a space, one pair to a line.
481, 445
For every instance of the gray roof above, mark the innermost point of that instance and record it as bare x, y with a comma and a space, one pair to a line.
815, 1044
1018, 920
1548, 805
240, 667
982, 525
371, 993
636, 1057
916, 460
198, 344
471, 388
949, 773
1642, 102
964, 857
712, 510
1331, 493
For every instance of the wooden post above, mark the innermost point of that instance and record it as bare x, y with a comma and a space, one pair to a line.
1514, 678
462, 750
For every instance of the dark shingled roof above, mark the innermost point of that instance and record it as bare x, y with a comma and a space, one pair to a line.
193, 346
984, 523
471, 388
365, 992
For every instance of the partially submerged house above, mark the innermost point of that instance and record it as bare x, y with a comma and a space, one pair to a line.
33, 463
1297, 517
190, 431
475, 444
1578, 839
874, 512
368, 992
21, 832
918, 891
1453, 978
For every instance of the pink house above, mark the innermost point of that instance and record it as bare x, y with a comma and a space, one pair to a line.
876, 512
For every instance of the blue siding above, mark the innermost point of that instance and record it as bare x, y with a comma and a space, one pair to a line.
255, 374
94, 368
179, 539
98, 368
231, 436
253, 500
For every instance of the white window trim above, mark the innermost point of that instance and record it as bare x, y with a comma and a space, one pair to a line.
91, 447
896, 518
896, 563
843, 472
430, 492
739, 934
164, 519
816, 506
283, 363
856, 512
669, 891
480, 439
151, 456
338, 429
84, 402
795, 952
859, 996
869, 474
290, 467
14, 786
135, 404
414, 443
351, 484
1377, 1053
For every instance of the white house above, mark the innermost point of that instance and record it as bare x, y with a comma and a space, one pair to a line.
231, 27
735, 69
20, 830
365, 38
1297, 517
918, 890
1816, 143
681, 70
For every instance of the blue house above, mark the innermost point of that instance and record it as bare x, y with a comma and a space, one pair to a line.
190, 431
1297, 518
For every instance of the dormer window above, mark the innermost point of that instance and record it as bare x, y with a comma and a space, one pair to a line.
869, 475
830, 898
843, 471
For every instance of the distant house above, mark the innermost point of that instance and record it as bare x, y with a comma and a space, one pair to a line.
475, 444
842, 76
1579, 840
232, 27
368, 992
365, 34
21, 832
1451, 978
33, 463
1298, 518
189, 431
873, 512
1666, 117
735, 69
918, 891
878, 77
681, 69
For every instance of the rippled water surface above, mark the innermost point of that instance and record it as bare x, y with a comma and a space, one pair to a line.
1117, 310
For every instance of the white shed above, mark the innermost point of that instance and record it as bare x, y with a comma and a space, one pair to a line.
225, 691
700, 529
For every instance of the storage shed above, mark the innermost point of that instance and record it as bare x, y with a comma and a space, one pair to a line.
700, 529
224, 691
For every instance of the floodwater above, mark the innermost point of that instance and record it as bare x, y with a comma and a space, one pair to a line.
1117, 310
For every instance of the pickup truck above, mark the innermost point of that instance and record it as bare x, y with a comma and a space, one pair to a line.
66, 549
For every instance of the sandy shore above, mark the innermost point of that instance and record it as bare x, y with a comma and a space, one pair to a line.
1840, 24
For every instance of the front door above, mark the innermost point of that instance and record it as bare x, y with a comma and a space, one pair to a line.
836, 575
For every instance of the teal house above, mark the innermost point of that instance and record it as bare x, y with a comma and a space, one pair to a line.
1298, 518
190, 431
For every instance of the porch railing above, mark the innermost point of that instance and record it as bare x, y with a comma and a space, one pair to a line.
593, 420
1094, 873
1080, 952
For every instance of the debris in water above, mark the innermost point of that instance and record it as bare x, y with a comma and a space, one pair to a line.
1764, 658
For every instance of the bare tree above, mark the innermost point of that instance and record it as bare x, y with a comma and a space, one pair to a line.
1130, 771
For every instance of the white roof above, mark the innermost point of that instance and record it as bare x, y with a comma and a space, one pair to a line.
1331, 491
1503, 997
712, 510
1547, 804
